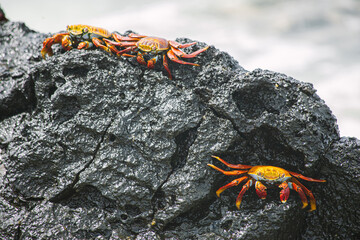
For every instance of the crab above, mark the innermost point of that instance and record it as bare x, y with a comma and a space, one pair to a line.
153, 46
80, 37
269, 176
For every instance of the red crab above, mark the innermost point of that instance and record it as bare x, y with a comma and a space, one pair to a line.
79, 36
154, 46
270, 176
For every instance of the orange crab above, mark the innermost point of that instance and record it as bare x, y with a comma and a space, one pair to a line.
270, 176
81, 37
153, 46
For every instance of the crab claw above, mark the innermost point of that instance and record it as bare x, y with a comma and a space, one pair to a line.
47, 47
285, 192
260, 190
62, 38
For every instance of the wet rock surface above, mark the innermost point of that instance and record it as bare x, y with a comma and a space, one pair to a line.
95, 146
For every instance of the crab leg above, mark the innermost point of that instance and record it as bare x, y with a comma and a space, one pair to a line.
229, 173
260, 190
301, 193
246, 186
236, 166
166, 66
120, 44
112, 48
285, 192
131, 37
100, 44
179, 45
298, 175
174, 58
128, 47
124, 52
308, 193
128, 55
233, 183
180, 53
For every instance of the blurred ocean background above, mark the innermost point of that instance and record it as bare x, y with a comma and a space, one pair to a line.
316, 41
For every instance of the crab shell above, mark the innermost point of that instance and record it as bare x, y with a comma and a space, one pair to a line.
269, 176
153, 45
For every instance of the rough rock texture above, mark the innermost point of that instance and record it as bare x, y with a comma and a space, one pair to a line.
95, 146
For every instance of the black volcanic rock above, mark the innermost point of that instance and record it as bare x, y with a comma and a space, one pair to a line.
95, 146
